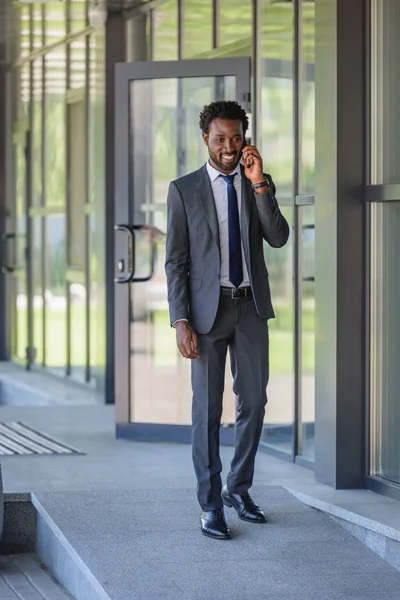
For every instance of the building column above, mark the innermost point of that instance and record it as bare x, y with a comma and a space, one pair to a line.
339, 245
115, 52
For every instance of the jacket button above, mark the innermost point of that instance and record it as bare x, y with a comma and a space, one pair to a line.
219, 276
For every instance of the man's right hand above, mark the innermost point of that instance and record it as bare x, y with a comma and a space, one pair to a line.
186, 340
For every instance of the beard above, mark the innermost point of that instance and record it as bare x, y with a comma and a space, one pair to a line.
217, 160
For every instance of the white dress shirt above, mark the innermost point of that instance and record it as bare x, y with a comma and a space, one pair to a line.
220, 192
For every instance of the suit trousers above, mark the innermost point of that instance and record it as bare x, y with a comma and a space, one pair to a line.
238, 327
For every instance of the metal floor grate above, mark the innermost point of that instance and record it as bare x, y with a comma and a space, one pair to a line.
18, 438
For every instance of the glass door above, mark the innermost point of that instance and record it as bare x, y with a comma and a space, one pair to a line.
157, 140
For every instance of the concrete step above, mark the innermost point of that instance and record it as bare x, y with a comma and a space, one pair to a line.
372, 519
22, 577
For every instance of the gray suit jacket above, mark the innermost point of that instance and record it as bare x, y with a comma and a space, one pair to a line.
193, 261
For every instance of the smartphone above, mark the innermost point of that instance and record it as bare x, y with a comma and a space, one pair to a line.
250, 161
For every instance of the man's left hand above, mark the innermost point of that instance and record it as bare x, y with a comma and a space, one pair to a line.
253, 165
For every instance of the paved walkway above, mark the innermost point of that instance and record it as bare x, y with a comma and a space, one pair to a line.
130, 512
22, 578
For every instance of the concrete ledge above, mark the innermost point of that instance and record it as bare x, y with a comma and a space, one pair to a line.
62, 561
19, 531
382, 538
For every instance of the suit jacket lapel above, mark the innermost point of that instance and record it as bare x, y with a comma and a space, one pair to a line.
205, 193
247, 198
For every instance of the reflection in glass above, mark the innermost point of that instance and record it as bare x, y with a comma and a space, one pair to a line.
77, 76
197, 28
307, 166
55, 22
385, 92
55, 127
25, 42
97, 202
165, 21
78, 338
278, 428
77, 185
77, 15
277, 39
37, 29
38, 302
166, 143
20, 319
36, 138
385, 340
306, 437
55, 298
235, 19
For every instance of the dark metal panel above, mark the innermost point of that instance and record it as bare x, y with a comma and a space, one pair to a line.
240, 67
383, 193
115, 52
339, 256
385, 488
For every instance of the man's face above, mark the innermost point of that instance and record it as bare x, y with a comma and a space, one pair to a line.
225, 142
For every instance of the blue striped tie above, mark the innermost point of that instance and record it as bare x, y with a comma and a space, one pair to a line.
235, 240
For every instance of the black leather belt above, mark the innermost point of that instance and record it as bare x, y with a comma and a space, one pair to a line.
235, 293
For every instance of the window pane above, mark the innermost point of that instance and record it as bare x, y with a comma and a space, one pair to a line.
37, 131
78, 14
385, 91
197, 27
55, 127
25, 31
78, 337
306, 439
165, 20
56, 302
236, 27
77, 185
278, 429
277, 93
37, 228
37, 26
97, 201
55, 23
307, 165
385, 340
77, 77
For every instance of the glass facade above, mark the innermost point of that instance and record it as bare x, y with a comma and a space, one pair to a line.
64, 322
57, 208
58, 115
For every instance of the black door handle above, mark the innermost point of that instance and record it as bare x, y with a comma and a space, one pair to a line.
154, 235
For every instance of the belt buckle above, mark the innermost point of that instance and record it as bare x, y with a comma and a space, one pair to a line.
236, 293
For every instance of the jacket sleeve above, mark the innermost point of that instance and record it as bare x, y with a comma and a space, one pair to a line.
274, 225
177, 256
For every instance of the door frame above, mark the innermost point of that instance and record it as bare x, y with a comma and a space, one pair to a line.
240, 68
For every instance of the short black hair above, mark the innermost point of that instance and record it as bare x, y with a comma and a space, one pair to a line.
222, 109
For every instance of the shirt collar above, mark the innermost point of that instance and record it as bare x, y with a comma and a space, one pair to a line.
214, 173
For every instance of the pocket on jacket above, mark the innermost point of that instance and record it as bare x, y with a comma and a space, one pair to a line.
195, 283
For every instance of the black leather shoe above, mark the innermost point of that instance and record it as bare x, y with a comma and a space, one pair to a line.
244, 506
213, 524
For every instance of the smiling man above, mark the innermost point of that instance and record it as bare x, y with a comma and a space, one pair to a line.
219, 299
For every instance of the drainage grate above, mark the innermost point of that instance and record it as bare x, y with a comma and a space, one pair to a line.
19, 438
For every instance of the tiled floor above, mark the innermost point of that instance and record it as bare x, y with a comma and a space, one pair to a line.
22, 578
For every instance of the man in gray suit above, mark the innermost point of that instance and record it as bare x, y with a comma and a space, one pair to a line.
219, 298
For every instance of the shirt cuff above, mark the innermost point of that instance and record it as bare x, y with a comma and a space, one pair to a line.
179, 321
